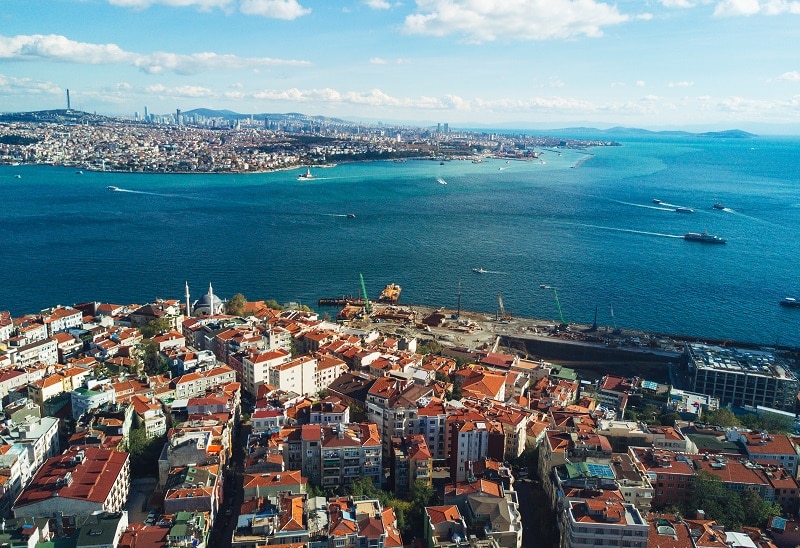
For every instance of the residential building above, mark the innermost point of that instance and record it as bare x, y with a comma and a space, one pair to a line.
590, 522
411, 462
85, 479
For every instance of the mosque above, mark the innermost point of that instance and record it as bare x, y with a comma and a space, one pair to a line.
207, 305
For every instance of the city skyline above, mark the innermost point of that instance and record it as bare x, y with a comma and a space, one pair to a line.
707, 64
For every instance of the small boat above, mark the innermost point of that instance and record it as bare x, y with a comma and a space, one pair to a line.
479, 270
18, 176
790, 302
79, 172
306, 175
441, 181
718, 206
351, 215
113, 188
684, 210
441, 163
703, 237
657, 201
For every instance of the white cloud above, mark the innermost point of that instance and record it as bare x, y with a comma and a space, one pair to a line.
792, 76
678, 3
9, 85
683, 84
191, 92
278, 9
377, 4
640, 83
204, 5
489, 20
382, 61
38, 47
731, 8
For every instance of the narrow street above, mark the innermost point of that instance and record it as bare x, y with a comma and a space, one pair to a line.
233, 495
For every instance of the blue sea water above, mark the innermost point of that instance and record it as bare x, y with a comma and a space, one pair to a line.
591, 231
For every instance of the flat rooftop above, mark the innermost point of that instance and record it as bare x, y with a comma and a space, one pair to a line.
736, 360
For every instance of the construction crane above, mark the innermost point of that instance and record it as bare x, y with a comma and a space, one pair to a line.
367, 307
558, 303
503, 315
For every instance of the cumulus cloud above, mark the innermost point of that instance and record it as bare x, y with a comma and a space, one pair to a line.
640, 83
192, 92
730, 8
9, 85
275, 9
204, 5
678, 3
38, 47
382, 61
489, 20
792, 76
683, 84
378, 61
377, 4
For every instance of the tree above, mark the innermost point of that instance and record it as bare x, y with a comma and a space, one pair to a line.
669, 419
757, 511
272, 304
357, 413
456, 394
237, 305
442, 377
149, 356
722, 417
155, 327
144, 453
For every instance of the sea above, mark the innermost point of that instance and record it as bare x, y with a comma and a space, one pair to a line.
573, 235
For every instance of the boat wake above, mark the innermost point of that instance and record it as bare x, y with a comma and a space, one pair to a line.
441, 181
662, 207
629, 230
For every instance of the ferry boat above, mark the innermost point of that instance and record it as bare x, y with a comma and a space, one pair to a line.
703, 237
790, 302
306, 175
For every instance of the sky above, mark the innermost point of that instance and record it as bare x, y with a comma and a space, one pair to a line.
705, 64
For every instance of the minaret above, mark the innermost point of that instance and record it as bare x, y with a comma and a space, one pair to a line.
211, 310
188, 304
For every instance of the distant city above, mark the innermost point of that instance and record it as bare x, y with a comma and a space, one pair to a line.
204, 141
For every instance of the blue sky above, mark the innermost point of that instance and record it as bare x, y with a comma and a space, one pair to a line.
537, 63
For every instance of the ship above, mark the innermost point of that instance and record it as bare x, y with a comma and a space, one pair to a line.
718, 206
657, 201
351, 215
703, 237
113, 188
790, 302
479, 270
306, 175
390, 294
684, 210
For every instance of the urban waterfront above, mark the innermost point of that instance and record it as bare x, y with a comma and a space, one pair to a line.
592, 232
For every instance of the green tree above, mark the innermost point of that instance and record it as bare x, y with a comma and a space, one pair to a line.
669, 419
357, 413
429, 347
272, 304
150, 358
237, 305
757, 511
155, 327
722, 417
442, 377
456, 394
144, 453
